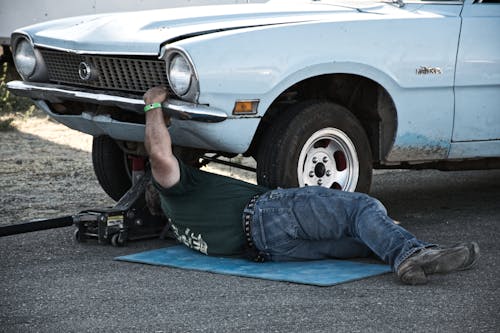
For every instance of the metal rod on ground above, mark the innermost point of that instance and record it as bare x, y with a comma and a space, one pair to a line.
36, 225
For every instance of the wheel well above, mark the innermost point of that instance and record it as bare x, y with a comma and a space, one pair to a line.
365, 98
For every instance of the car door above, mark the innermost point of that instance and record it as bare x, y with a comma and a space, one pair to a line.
476, 130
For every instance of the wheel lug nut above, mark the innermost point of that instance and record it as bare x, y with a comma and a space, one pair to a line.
311, 174
320, 181
328, 173
315, 159
325, 159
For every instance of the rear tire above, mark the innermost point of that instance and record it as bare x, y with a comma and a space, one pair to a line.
111, 167
316, 143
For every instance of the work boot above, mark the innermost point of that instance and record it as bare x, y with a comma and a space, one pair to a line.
437, 260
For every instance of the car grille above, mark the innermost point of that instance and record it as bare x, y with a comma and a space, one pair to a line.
134, 75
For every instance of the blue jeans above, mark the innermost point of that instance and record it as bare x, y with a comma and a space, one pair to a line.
316, 222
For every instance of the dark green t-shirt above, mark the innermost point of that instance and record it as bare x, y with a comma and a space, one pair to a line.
206, 210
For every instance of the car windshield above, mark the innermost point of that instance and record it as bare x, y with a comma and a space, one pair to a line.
360, 3
347, 3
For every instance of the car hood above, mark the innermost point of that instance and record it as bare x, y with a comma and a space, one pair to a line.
143, 32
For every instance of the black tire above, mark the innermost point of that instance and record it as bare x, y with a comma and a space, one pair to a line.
327, 141
110, 167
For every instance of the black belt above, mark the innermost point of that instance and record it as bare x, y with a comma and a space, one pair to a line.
251, 252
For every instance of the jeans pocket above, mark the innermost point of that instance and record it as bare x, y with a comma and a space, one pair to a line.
277, 194
279, 227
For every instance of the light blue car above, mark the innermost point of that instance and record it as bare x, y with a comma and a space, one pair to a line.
318, 92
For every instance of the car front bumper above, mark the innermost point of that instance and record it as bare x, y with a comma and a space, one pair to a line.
57, 94
193, 125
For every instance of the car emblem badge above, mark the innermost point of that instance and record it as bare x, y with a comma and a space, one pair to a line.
425, 70
84, 71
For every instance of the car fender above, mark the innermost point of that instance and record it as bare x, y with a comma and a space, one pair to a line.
260, 63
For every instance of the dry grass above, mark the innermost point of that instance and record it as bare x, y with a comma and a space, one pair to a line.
11, 106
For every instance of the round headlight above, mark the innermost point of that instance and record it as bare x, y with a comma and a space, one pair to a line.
179, 75
25, 59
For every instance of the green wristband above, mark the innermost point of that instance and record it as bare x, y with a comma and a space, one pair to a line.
152, 106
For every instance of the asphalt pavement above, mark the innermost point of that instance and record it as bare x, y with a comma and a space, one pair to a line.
49, 283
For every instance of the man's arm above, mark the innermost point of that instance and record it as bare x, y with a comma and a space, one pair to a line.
164, 165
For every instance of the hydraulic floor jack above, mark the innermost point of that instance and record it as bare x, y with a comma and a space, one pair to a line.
129, 219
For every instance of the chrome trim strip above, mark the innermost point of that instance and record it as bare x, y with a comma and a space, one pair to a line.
189, 111
131, 53
56, 48
57, 94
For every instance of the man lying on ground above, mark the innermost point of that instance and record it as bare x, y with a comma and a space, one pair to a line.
222, 216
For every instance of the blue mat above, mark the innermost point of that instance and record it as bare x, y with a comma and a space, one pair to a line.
319, 272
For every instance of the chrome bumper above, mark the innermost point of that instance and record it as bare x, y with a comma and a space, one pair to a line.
57, 94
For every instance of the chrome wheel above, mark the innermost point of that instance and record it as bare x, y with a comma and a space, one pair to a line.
315, 143
329, 159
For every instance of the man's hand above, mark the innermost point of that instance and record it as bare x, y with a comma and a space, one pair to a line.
156, 95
